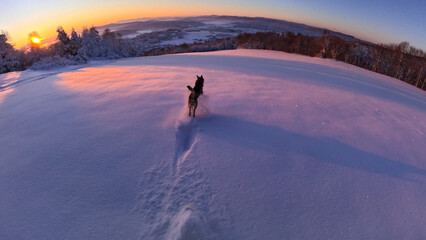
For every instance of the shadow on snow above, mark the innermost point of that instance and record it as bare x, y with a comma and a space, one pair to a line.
278, 141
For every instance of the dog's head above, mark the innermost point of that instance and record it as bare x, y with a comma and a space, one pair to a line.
199, 84
200, 79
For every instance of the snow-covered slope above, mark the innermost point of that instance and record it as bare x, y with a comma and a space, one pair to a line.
178, 30
283, 147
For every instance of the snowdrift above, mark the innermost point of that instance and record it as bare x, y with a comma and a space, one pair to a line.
283, 147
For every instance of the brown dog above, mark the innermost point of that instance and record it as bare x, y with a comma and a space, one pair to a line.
196, 91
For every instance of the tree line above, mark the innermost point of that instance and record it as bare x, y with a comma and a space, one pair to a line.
400, 61
69, 49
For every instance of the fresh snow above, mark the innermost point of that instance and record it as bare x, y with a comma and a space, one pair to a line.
283, 147
191, 37
137, 33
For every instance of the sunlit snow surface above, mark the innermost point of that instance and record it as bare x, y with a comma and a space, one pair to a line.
282, 147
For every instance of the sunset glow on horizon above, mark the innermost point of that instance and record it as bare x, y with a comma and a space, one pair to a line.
382, 21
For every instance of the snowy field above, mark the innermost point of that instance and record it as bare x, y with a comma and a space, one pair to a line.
283, 147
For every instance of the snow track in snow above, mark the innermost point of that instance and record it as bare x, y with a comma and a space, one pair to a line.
185, 141
14, 82
293, 147
175, 196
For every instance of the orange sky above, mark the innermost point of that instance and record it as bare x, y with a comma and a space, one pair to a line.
46, 26
379, 23
45, 19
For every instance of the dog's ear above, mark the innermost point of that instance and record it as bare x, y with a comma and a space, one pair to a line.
197, 76
190, 88
202, 76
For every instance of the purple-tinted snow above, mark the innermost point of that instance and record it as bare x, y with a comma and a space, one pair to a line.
283, 147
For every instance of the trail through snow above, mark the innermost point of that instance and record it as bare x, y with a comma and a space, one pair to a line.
175, 196
283, 147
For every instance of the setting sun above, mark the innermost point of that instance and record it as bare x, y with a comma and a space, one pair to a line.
35, 40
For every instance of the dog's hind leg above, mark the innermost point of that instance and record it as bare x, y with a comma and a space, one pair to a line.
195, 107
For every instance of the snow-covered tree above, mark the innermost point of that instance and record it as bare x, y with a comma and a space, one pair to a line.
70, 47
110, 44
75, 43
8, 55
91, 43
64, 41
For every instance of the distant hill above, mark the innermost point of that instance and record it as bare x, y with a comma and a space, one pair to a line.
202, 28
